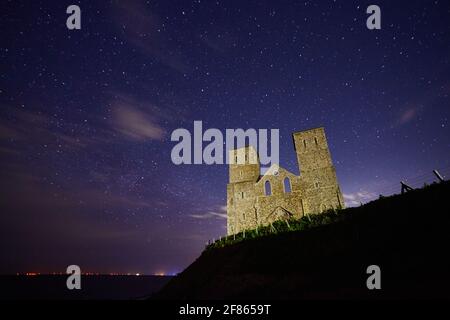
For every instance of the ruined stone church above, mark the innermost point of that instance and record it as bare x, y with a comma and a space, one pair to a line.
254, 200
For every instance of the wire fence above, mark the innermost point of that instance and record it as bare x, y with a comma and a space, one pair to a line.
415, 182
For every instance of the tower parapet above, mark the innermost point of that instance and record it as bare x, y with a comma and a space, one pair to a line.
244, 165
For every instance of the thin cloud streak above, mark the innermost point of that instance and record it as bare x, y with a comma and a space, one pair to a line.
357, 198
135, 124
219, 213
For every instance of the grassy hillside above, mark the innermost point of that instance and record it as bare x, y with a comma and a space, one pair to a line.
406, 235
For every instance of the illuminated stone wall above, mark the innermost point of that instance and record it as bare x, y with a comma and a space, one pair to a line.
254, 200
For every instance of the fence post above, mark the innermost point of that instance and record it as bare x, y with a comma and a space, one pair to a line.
405, 187
436, 173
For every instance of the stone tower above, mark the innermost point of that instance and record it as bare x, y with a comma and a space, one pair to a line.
317, 171
244, 170
254, 200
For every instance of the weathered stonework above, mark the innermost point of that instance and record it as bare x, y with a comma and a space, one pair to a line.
254, 200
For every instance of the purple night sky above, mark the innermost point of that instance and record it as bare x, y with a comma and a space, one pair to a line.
86, 115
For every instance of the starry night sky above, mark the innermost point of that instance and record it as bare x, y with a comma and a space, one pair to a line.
86, 176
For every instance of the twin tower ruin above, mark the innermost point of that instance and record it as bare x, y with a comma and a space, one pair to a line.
254, 200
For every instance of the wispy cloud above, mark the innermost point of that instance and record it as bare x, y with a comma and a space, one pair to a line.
220, 40
423, 101
136, 124
144, 30
217, 213
209, 215
41, 195
8, 132
8, 151
26, 127
23, 128
408, 115
23, 124
356, 198
130, 119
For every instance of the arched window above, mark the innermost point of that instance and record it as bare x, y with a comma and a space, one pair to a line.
267, 188
315, 140
287, 185
304, 143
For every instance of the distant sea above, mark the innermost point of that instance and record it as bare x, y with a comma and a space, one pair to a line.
93, 287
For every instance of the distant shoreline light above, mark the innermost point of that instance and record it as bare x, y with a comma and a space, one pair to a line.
33, 274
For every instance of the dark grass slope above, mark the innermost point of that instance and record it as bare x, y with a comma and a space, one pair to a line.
406, 235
